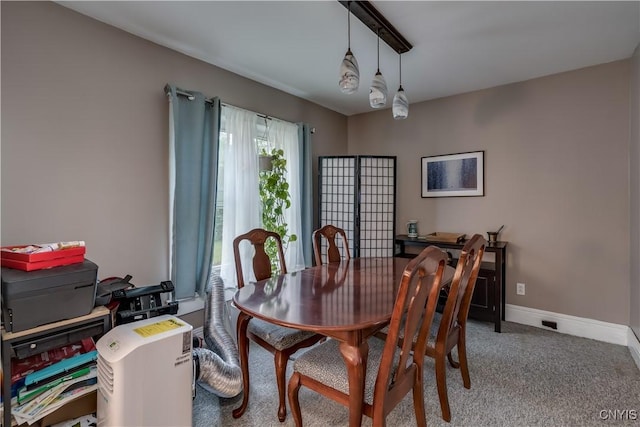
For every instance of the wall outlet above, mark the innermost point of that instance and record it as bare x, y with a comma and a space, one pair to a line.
519, 288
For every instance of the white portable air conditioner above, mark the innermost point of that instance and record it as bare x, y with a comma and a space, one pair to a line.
145, 374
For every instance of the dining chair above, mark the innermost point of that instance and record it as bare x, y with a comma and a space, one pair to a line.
452, 329
329, 232
392, 369
282, 342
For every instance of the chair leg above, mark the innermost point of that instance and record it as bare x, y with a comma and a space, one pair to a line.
294, 403
378, 416
281, 360
243, 350
462, 356
379, 422
452, 362
418, 400
441, 380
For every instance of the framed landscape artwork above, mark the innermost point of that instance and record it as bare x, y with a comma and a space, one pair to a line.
453, 175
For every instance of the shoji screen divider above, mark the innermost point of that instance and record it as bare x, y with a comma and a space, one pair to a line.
358, 194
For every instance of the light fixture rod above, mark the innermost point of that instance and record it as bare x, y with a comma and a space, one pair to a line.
376, 22
378, 49
349, 25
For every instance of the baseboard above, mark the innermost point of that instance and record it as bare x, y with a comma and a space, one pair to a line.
634, 347
571, 325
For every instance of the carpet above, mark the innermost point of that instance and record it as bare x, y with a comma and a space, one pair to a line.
524, 376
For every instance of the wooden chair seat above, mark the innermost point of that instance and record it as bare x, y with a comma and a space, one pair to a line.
324, 362
433, 331
279, 337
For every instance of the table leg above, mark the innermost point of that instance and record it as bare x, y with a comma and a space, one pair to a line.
243, 350
355, 358
499, 291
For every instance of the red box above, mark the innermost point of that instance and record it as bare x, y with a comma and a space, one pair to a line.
41, 260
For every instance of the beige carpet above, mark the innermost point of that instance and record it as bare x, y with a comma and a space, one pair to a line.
524, 376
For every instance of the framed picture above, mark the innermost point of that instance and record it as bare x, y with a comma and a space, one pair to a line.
453, 175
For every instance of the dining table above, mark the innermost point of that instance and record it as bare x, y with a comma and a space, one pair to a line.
348, 301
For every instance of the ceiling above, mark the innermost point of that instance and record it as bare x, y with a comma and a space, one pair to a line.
297, 46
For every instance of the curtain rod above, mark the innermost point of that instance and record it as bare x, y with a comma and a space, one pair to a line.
262, 116
191, 97
312, 130
210, 101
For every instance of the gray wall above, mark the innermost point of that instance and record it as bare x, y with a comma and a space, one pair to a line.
84, 156
556, 175
85, 130
635, 192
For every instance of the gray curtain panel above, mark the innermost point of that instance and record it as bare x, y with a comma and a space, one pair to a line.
306, 198
196, 128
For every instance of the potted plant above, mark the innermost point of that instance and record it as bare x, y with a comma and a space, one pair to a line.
265, 161
275, 198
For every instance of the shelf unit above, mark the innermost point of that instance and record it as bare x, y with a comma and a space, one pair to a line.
487, 303
22, 344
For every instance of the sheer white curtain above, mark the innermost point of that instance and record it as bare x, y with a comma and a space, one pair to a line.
241, 198
284, 135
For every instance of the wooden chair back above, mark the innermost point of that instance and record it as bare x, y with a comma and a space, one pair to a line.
456, 308
420, 286
261, 262
329, 232
452, 328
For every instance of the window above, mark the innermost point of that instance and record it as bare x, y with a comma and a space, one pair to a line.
213, 190
243, 136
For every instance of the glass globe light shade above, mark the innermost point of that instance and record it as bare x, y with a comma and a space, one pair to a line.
349, 73
400, 105
378, 91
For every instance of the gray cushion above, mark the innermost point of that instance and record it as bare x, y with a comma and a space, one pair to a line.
277, 336
324, 363
435, 324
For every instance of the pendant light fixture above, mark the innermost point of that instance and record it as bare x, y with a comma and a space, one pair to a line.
400, 102
378, 89
349, 72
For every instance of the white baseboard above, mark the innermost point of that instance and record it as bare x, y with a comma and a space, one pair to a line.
634, 347
571, 325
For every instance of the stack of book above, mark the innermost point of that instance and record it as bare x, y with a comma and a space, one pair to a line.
39, 392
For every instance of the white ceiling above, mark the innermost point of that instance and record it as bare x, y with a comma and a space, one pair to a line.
297, 46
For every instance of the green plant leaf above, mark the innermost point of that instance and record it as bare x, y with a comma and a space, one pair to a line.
275, 199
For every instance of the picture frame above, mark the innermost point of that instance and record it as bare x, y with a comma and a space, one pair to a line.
453, 175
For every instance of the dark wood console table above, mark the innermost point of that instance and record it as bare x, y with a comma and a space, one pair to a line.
488, 302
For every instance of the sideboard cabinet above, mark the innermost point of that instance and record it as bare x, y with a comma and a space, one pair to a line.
487, 303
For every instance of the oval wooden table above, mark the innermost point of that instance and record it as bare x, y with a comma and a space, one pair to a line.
348, 301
